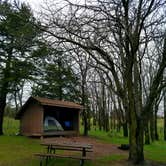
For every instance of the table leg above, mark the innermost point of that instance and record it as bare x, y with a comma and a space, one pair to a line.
83, 154
54, 150
81, 162
41, 161
48, 148
47, 160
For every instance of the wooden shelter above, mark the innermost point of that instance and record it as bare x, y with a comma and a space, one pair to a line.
47, 117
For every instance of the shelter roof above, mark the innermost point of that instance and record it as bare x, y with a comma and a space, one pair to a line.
58, 103
49, 102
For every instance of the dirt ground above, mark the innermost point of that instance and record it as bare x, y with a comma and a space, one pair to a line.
100, 149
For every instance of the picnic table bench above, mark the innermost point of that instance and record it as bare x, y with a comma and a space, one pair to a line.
65, 146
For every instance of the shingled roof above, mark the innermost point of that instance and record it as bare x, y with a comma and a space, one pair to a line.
49, 102
58, 103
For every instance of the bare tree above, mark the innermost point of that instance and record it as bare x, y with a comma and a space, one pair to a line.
113, 33
102, 96
83, 68
164, 114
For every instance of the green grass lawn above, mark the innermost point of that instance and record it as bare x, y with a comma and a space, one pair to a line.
19, 150
110, 137
10, 126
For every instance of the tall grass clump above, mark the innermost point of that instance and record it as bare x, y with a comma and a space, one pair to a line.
11, 126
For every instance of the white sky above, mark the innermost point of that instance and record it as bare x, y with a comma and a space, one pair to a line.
36, 7
35, 4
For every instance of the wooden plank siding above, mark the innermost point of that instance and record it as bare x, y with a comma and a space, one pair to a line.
32, 120
36, 109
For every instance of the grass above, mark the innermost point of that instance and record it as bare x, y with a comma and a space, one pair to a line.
110, 137
18, 150
114, 157
156, 151
11, 126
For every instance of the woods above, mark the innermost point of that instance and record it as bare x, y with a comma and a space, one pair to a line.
17, 38
109, 56
117, 35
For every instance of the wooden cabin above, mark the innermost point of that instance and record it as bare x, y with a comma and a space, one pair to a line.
47, 117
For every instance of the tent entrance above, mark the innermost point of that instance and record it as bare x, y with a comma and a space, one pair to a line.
51, 124
60, 119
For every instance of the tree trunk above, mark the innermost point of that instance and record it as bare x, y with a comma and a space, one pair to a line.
118, 126
107, 122
2, 110
114, 120
165, 114
94, 108
154, 132
125, 129
136, 154
111, 120
85, 119
155, 126
147, 134
118, 119
85, 123
99, 120
83, 102
89, 118
136, 130
60, 92
152, 126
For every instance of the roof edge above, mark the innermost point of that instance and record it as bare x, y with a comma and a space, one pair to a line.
48, 102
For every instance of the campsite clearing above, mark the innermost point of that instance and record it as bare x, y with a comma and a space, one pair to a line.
20, 150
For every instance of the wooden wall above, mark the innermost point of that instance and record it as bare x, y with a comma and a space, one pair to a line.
32, 120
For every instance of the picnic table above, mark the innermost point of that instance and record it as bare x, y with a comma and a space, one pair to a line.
52, 147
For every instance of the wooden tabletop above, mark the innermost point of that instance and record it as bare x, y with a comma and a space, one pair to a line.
68, 144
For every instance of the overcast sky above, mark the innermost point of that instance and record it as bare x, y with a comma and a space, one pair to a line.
35, 4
